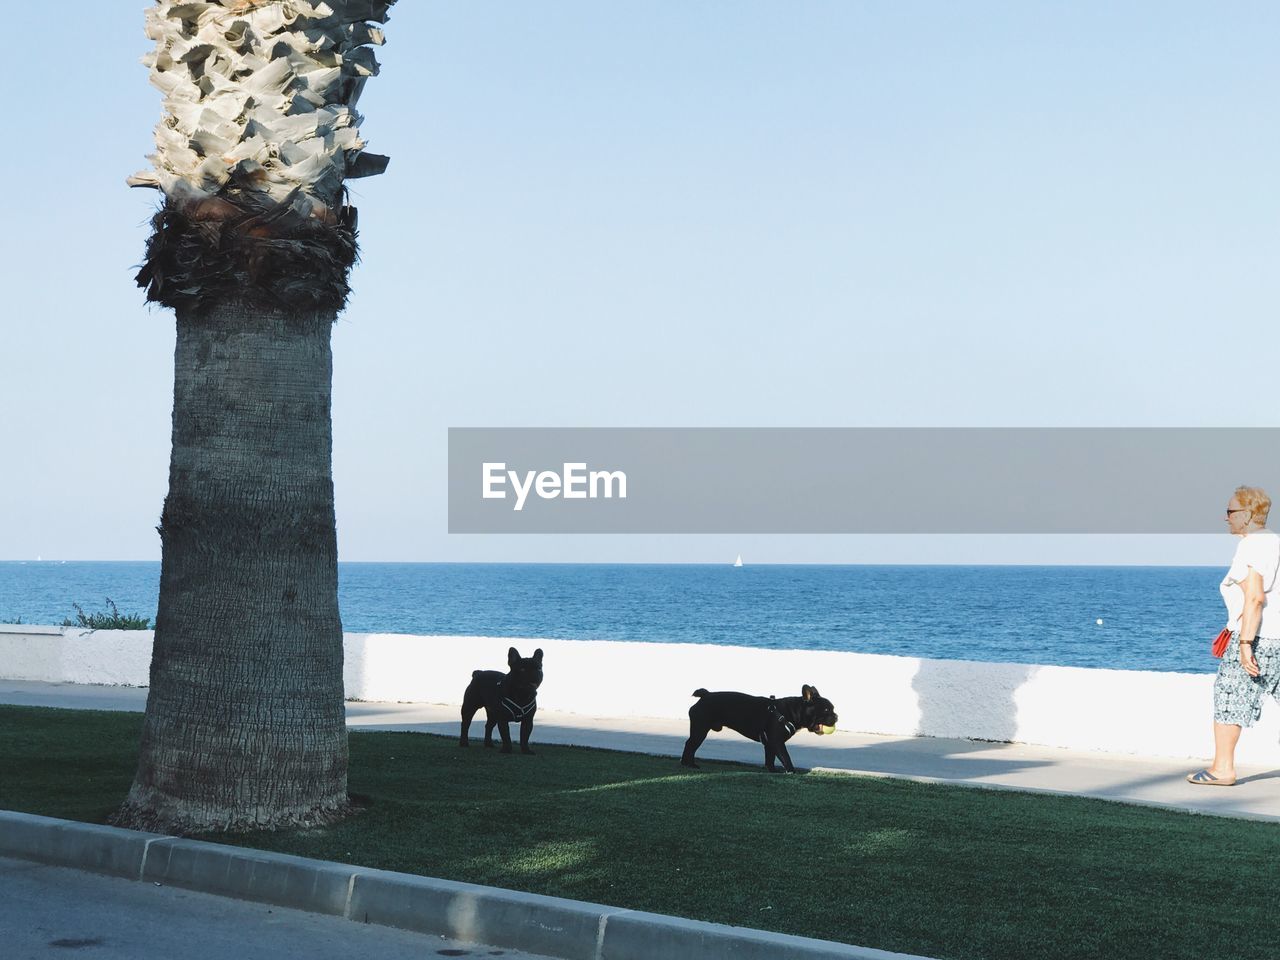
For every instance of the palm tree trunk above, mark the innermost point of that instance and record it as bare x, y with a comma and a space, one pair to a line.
245, 722
252, 248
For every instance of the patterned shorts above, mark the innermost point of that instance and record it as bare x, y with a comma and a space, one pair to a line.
1237, 697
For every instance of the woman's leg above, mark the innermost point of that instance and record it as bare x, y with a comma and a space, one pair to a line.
1237, 699
1225, 738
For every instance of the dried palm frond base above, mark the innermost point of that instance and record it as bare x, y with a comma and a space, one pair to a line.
200, 254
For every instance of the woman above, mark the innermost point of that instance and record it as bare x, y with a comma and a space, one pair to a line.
1251, 665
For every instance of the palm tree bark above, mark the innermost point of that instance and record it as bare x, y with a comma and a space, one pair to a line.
245, 724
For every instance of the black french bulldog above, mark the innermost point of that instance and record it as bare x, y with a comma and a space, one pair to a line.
505, 697
766, 719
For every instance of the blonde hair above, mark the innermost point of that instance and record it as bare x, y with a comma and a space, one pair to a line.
1254, 499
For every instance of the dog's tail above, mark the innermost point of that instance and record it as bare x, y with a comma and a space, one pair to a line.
700, 692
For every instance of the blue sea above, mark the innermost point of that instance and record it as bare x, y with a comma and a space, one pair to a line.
1153, 618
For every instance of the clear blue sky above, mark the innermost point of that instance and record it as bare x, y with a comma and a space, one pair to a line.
687, 214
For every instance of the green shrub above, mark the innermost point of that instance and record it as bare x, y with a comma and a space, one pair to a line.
115, 620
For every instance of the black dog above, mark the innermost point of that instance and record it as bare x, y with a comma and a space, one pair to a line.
766, 719
505, 697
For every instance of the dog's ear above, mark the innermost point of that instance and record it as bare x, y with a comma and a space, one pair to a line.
513, 657
537, 656
808, 692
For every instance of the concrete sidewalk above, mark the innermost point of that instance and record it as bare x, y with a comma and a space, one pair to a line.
1131, 779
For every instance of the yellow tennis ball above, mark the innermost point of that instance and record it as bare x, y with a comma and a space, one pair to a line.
823, 728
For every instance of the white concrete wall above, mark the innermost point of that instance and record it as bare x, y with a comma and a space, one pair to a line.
1119, 711
72, 655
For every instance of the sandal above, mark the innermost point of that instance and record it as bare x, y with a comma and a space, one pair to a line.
1206, 779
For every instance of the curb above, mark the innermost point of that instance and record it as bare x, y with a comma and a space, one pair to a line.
552, 926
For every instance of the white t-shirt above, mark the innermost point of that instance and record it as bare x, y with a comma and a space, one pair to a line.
1260, 551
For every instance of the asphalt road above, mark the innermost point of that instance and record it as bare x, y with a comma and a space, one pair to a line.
48, 912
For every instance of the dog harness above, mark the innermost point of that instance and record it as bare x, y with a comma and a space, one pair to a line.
773, 709
518, 712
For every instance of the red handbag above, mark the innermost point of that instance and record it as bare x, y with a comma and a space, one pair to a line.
1220, 642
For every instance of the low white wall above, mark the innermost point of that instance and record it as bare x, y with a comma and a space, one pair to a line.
72, 655
1118, 711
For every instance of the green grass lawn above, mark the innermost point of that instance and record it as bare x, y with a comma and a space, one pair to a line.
941, 871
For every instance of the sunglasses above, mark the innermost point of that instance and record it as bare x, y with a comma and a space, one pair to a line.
1237, 510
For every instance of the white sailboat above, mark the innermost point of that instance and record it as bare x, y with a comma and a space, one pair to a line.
738, 562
